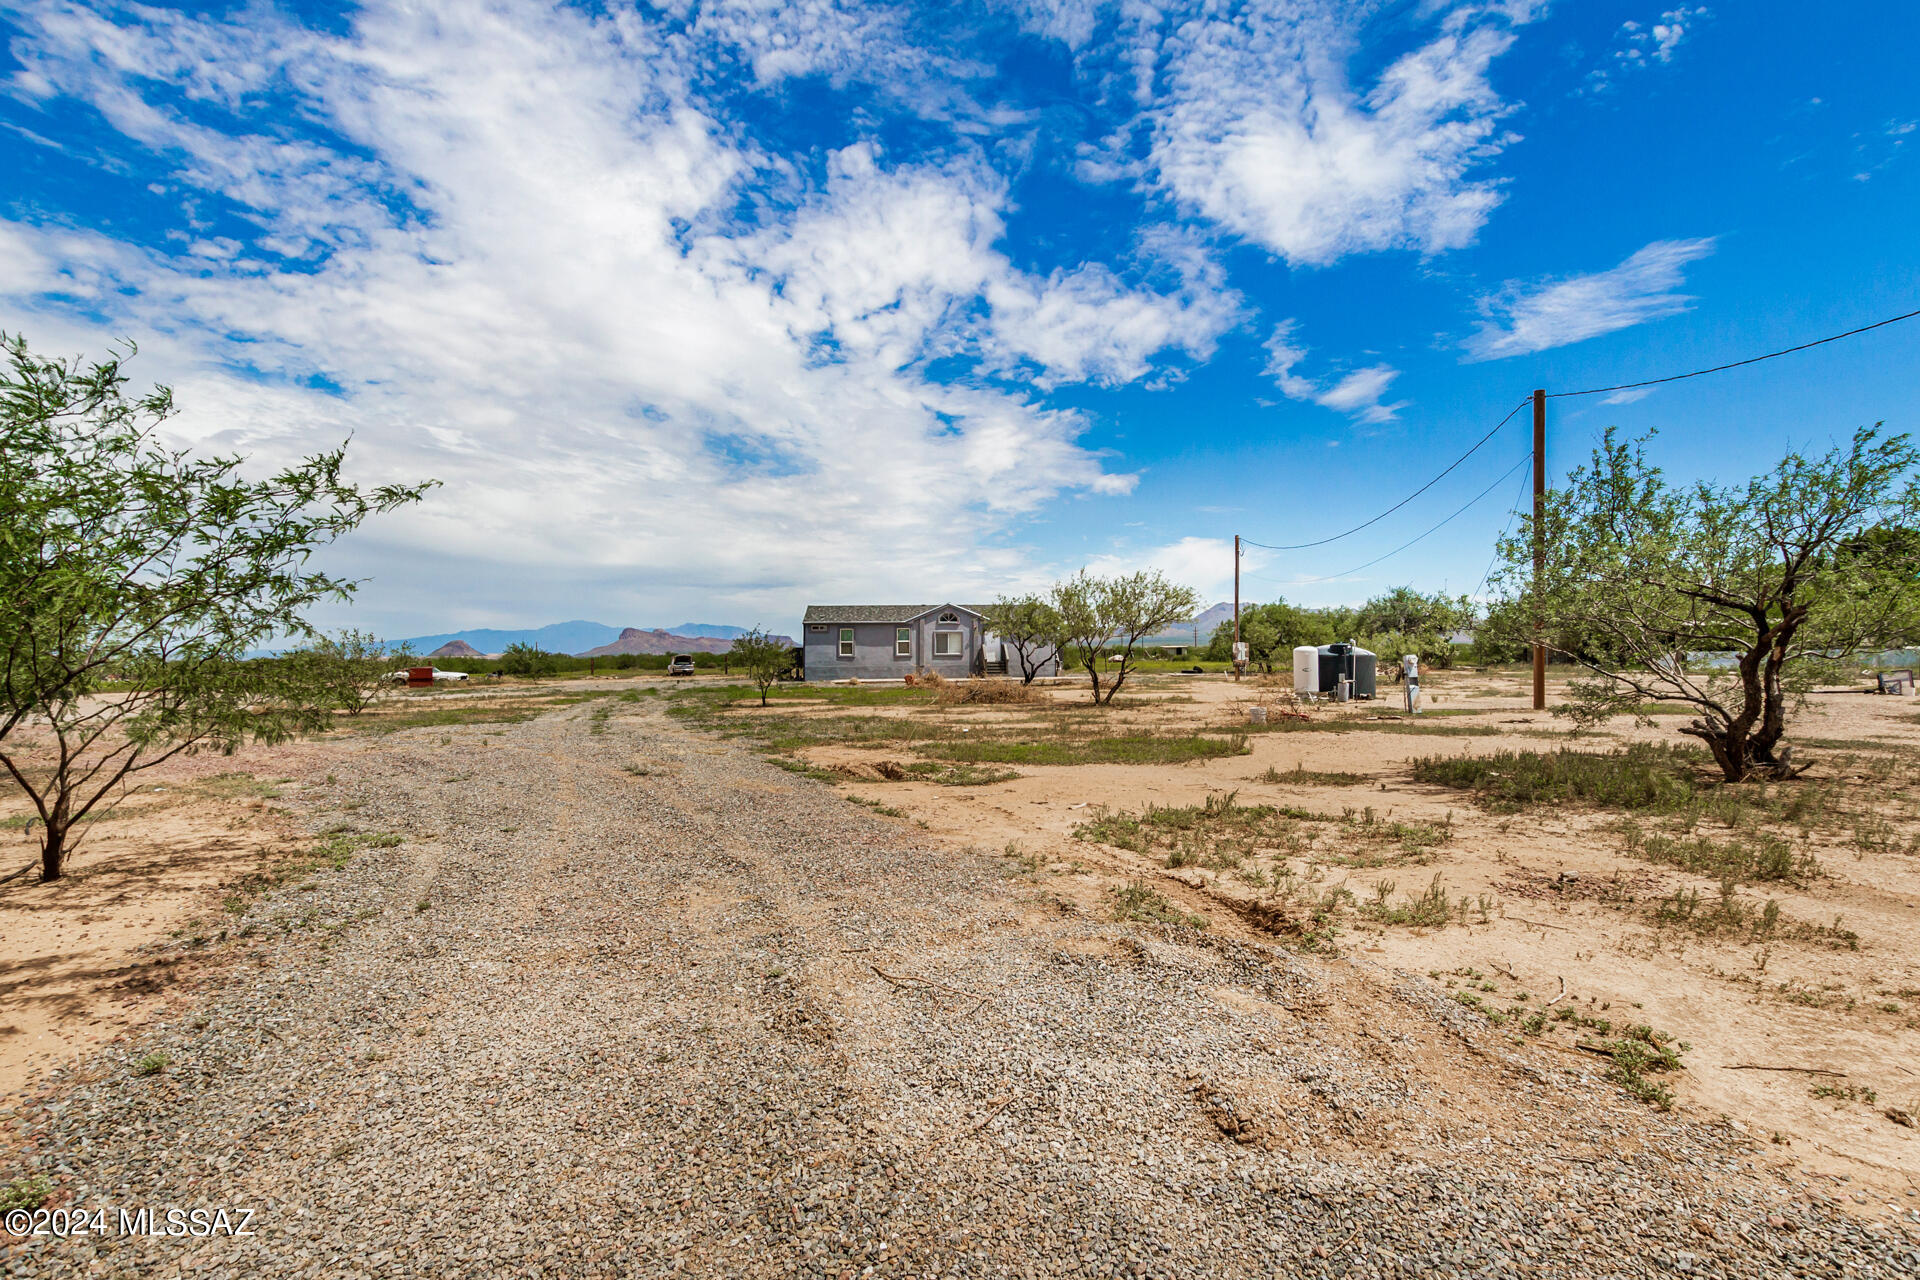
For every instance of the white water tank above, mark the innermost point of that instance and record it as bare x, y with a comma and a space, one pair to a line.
1306, 669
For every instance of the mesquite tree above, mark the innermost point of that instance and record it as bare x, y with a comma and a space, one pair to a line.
1102, 618
1790, 573
135, 579
1028, 628
763, 657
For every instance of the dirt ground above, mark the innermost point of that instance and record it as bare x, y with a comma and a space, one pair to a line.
1799, 1039
1813, 1045
87, 959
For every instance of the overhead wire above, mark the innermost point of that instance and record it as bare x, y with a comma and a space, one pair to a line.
1556, 395
1302, 546
1410, 542
1512, 511
1721, 368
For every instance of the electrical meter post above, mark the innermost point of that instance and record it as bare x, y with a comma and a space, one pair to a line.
1240, 652
1411, 665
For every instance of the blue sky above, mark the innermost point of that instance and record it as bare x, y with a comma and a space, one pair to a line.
714, 310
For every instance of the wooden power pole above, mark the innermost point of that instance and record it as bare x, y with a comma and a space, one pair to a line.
1539, 548
1236, 606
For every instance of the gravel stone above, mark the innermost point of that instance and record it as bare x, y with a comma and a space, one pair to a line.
714, 1020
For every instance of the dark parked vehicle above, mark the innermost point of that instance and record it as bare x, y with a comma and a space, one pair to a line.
681, 664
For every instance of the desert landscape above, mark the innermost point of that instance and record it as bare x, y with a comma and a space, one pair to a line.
893, 948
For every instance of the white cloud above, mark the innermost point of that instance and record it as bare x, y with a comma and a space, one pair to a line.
1204, 564
1540, 315
1639, 45
523, 272
1358, 393
1655, 41
1259, 130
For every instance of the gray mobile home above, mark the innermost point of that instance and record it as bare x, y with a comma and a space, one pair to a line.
891, 641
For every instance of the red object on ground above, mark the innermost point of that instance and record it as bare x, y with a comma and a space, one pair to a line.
417, 676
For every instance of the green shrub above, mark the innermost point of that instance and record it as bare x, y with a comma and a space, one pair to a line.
1640, 777
25, 1193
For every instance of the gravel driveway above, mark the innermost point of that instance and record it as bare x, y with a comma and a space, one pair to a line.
708, 1017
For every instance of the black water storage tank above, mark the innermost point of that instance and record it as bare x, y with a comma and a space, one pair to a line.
1351, 661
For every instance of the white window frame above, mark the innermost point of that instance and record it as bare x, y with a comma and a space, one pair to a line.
959, 639
903, 642
846, 642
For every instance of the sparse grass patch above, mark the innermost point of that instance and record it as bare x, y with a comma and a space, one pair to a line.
1759, 857
1130, 749
1302, 776
1846, 1093
1641, 1052
1138, 900
958, 775
151, 1064
1639, 777
435, 717
29, 1192
1222, 832
1432, 909
884, 810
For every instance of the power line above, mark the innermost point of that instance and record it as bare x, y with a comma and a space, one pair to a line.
1720, 368
1403, 546
1301, 546
1512, 511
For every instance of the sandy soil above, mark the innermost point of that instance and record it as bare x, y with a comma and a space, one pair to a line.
1768, 1023
88, 958
85, 962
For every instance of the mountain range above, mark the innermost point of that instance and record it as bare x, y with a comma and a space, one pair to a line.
577, 637
660, 640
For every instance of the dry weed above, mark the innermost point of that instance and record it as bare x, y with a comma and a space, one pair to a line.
986, 692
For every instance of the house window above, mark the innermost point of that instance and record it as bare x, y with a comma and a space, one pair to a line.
949, 617
948, 644
903, 642
846, 642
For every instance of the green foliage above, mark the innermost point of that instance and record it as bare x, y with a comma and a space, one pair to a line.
1222, 831
1760, 857
763, 658
1786, 572
349, 669
523, 659
29, 1192
151, 1064
1641, 1052
1638, 777
1398, 622
1131, 749
134, 579
1029, 628
1407, 621
1138, 900
1097, 617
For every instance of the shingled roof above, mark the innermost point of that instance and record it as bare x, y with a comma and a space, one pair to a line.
840, 613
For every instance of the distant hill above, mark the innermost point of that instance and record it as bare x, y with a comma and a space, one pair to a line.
717, 631
659, 640
584, 639
558, 637
1206, 624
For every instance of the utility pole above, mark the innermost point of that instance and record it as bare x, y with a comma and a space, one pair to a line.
1539, 548
1236, 606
